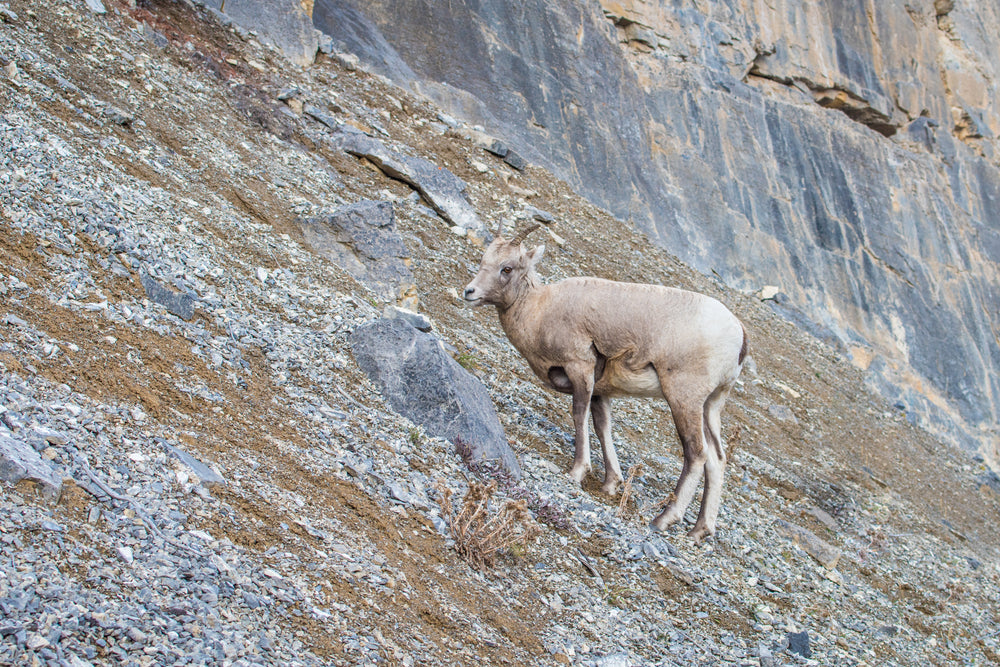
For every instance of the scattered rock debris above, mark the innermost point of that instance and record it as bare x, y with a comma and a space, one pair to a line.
322, 540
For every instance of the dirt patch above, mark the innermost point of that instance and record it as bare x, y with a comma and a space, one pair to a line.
75, 501
673, 583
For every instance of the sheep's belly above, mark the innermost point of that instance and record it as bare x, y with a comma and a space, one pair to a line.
618, 381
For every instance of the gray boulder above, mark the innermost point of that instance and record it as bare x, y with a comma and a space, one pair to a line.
424, 384
19, 461
362, 238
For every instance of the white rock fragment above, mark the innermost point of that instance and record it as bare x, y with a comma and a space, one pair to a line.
126, 554
767, 292
785, 389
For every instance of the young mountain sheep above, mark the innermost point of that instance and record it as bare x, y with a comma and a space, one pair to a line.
596, 338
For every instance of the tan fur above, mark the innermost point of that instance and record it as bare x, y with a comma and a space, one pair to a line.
596, 339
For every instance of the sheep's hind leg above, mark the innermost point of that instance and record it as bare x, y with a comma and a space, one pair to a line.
715, 466
689, 428
600, 410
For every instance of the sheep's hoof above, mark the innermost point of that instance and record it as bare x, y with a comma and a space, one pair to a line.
700, 533
579, 474
610, 487
664, 520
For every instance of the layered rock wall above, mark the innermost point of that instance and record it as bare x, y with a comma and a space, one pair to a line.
287, 24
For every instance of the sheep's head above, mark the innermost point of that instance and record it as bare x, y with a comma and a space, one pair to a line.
507, 270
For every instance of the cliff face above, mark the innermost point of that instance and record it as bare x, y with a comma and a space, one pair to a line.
845, 152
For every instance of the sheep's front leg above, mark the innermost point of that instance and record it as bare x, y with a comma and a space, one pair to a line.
582, 388
600, 409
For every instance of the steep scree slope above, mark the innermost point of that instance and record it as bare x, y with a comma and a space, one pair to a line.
238, 493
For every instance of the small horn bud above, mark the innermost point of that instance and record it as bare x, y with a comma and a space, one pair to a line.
523, 234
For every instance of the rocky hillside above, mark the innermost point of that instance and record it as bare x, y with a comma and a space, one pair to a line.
197, 471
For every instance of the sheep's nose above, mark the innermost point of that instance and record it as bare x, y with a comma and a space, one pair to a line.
469, 291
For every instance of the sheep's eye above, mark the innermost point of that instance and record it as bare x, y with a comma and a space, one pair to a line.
506, 269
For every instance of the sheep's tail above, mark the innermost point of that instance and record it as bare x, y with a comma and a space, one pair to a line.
746, 345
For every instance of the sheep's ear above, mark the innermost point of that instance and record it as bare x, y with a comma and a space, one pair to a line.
536, 254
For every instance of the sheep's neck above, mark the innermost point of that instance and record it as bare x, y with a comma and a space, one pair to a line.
516, 318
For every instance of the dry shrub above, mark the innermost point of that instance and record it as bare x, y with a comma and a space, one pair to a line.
543, 510
480, 532
627, 490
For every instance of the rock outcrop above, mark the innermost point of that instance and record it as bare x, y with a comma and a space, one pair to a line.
286, 24
363, 239
423, 383
19, 461
845, 150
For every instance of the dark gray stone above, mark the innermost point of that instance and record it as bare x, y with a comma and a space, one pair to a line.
444, 191
798, 642
538, 214
515, 160
178, 303
362, 238
423, 383
19, 461
498, 148
322, 116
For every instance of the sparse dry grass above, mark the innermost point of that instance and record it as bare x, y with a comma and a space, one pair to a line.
481, 532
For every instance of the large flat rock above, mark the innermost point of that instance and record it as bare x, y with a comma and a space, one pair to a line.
424, 384
443, 190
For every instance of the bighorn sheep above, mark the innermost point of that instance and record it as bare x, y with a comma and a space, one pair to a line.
596, 338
